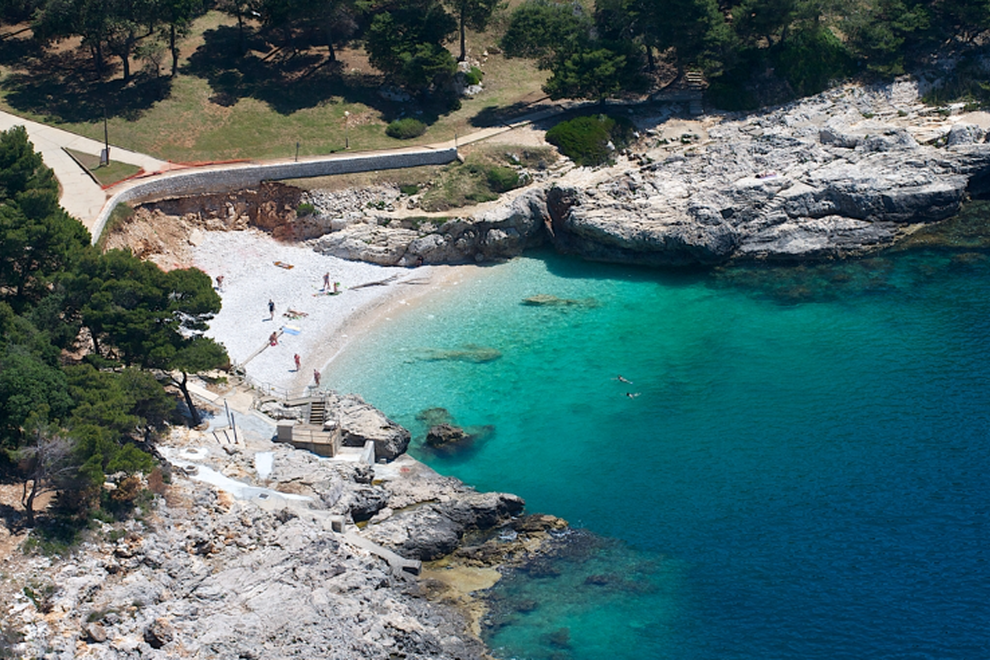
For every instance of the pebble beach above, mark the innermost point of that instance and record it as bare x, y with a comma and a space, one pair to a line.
309, 320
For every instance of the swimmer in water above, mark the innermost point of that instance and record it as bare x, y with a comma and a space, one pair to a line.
623, 380
632, 395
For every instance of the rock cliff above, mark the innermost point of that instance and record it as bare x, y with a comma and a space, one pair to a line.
810, 180
500, 233
842, 173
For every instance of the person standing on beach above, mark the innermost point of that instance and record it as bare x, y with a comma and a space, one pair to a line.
316, 377
326, 281
271, 309
220, 282
296, 358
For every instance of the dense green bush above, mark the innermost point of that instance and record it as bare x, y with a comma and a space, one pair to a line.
405, 129
502, 179
585, 140
408, 189
474, 76
305, 209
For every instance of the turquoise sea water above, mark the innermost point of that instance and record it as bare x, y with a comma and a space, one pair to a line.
803, 474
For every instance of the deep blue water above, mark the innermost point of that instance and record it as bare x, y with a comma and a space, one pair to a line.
803, 474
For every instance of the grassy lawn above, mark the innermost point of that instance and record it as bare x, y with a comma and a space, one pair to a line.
106, 174
224, 107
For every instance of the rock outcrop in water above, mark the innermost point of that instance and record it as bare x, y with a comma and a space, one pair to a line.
842, 173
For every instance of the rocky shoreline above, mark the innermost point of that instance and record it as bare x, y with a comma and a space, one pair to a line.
841, 174
237, 558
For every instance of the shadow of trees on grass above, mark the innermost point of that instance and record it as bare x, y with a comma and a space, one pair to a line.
292, 73
286, 77
286, 73
64, 86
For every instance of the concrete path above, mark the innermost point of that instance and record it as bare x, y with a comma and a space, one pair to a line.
80, 195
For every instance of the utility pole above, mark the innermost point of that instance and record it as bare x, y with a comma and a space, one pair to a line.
347, 142
105, 156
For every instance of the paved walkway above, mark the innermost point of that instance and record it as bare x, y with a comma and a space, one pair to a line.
80, 195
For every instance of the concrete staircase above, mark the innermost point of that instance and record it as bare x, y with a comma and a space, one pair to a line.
317, 412
695, 83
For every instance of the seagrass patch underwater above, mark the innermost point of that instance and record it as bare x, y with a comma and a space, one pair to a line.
793, 466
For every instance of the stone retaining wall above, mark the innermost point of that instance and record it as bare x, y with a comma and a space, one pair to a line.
237, 177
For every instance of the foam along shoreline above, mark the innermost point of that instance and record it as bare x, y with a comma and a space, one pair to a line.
307, 321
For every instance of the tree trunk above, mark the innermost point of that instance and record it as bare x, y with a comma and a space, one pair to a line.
330, 50
193, 413
99, 59
651, 63
174, 48
463, 46
125, 60
240, 31
28, 502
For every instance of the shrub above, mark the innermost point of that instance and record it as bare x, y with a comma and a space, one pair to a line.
305, 209
502, 179
409, 189
585, 140
474, 76
405, 129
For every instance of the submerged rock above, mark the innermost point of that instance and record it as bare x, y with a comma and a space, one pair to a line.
446, 436
449, 439
467, 353
434, 416
547, 300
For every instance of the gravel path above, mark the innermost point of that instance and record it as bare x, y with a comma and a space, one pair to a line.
246, 259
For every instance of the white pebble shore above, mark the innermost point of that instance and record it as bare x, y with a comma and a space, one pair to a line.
246, 260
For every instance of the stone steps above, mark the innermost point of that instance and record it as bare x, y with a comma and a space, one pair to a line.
317, 413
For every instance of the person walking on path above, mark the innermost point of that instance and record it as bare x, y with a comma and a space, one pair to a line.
296, 358
316, 377
271, 309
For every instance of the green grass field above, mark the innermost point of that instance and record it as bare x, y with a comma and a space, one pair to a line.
106, 174
222, 107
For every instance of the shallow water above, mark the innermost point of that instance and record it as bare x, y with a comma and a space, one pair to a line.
802, 472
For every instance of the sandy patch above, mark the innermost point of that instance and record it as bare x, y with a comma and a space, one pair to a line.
464, 579
461, 583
